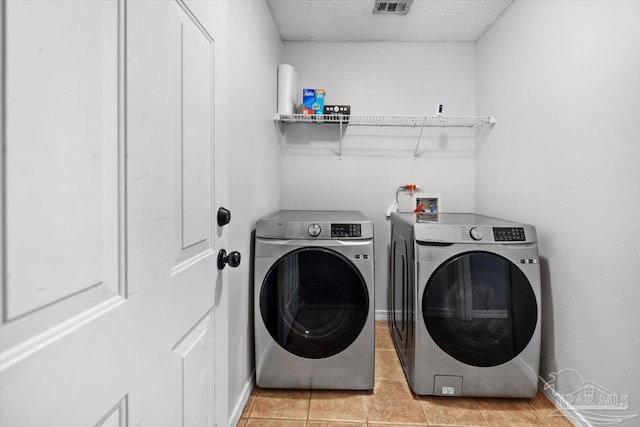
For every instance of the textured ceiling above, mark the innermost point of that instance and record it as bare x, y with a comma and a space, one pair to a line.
353, 20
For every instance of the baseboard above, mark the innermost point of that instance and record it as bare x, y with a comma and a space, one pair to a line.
382, 314
573, 416
234, 417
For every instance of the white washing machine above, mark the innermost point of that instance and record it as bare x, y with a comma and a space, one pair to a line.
314, 300
465, 304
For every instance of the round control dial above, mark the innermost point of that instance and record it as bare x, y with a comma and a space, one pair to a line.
476, 234
314, 230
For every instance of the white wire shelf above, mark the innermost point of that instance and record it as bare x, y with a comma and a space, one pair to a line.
423, 126
392, 121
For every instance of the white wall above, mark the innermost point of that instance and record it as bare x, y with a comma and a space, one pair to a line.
563, 78
380, 78
254, 170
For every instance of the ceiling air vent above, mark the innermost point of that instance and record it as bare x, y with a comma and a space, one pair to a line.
392, 7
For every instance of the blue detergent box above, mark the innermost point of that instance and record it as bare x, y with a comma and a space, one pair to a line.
312, 101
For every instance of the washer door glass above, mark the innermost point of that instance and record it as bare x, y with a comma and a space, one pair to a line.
480, 308
314, 302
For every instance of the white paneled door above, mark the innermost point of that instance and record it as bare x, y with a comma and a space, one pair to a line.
109, 240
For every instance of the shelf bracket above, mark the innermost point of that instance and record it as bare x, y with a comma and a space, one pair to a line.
340, 153
415, 152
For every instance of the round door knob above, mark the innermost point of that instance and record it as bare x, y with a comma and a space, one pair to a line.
232, 258
314, 230
476, 234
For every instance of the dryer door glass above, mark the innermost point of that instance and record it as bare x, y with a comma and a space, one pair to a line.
314, 302
480, 308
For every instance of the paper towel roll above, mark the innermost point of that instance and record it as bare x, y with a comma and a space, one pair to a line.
286, 88
295, 95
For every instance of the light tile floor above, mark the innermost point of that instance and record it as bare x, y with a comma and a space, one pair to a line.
390, 404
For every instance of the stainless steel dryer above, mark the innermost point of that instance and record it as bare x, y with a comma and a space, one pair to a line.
465, 304
314, 300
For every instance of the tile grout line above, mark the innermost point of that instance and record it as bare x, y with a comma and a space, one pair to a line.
475, 404
309, 409
424, 412
364, 399
544, 419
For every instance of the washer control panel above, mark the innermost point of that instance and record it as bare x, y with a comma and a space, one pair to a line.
346, 230
315, 229
508, 234
451, 228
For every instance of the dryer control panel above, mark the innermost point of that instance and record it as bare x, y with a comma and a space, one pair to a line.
314, 230
492, 234
346, 230
508, 234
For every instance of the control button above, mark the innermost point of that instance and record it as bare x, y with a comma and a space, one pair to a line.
357, 256
314, 230
365, 256
476, 234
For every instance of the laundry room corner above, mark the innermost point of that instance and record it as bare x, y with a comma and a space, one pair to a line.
254, 172
564, 81
380, 78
